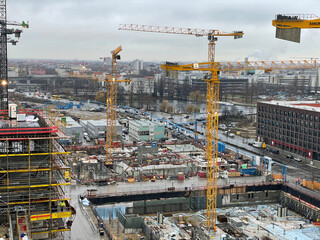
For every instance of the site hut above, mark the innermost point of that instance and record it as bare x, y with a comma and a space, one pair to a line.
144, 130
97, 128
73, 130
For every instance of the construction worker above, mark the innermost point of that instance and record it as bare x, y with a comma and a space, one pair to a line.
61, 205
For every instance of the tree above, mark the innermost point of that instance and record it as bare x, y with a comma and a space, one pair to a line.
233, 110
100, 97
121, 95
163, 106
247, 92
170, 88
169, 109
185, 90
161, 86
155, 89
131, 96
197, 96
192, 109
293, 88
252, 91
181, 107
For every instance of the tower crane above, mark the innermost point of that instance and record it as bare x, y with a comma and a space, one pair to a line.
288, 26
111, 99
212, 106
112, 103
210, 33
212, 112
212, 98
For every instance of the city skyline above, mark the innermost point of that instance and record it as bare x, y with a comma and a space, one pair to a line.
89, 30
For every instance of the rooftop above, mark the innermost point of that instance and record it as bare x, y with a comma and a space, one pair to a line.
145, 123
72, 123
304, 105
31, 122
101, 122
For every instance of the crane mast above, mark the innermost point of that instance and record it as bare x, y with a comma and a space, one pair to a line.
111, 100
111, 131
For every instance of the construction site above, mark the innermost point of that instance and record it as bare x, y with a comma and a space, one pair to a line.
84, 169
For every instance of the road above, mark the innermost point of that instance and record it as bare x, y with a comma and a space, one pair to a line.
294, 169
80, 228
162, 185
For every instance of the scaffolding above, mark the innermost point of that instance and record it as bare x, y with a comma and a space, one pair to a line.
33, 185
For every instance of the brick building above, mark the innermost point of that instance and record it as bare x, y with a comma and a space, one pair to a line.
292, 126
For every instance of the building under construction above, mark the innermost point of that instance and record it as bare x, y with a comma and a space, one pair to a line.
33, 177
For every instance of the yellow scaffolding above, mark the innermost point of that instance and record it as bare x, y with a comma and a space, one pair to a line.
31, 182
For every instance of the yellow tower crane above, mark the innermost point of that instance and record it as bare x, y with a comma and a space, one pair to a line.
212, 113
212, 105
112, 103
111, 99
212, 98
288, 26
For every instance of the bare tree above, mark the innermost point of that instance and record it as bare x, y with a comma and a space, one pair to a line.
161, 86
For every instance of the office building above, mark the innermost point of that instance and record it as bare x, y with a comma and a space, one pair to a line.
292, 126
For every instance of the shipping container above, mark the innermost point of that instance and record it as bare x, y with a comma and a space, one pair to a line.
221, 146
249, 171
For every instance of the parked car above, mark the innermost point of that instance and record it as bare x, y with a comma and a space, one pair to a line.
257, 144
298, 159
275, 151
231, 135
289, 156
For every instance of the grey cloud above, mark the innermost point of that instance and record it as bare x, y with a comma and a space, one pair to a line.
89, 29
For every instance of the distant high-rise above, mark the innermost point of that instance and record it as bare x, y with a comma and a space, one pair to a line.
137, 65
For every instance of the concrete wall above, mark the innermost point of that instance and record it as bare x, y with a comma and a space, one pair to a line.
251, 198
154, 206
200, 202
294, 203
130, 221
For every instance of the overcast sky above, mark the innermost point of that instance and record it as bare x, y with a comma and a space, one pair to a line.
88, 29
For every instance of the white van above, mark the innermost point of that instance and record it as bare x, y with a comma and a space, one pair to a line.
257, 144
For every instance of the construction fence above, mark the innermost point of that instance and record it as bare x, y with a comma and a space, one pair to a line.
311, 184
